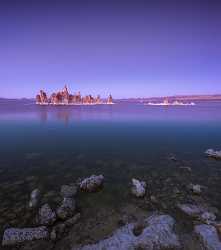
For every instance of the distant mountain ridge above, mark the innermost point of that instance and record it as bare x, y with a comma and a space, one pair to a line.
215, 97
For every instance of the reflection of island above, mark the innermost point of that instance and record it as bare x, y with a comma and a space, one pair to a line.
65, 98
167, 103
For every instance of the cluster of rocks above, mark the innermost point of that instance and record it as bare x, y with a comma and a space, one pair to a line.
64, 97
51, 224
157, 231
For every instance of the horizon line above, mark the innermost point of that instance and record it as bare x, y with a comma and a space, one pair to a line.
125, 98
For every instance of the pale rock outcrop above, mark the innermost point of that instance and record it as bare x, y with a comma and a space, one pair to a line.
34, 198
195, 188
138, 188
157, 234
92, 183
208, 237
208, 217
214, 154
14, 236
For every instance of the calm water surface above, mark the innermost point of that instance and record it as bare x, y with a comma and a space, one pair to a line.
46, 147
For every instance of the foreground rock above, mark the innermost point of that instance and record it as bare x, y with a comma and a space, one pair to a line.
208, 237
214, 154
92, 183
157, 234
34, 198
138, 188
14, 236
67, 208
46, 215
68, 191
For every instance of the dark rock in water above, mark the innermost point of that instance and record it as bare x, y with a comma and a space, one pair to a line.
208, 237
138, 188
14, 236
92, 183
138, 228
34, 198
46, 216
68, 191
153, 199
66, 209
57, 231
73, 220
157, 234
38, 245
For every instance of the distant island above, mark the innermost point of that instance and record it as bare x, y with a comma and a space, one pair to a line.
65, 98
166, 102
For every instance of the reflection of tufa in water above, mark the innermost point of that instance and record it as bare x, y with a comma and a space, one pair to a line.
167, 103
65, 98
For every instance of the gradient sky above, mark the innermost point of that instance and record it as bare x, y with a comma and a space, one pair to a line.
127, 48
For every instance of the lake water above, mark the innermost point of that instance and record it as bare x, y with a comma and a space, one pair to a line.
47, 146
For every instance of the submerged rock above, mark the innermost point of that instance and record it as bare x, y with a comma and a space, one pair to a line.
188, 169
57, 231
46, 216
196, 189
72, 220
67, 208
157, 234
138, 188
34, 198
92, 183
214, 154
68, 191
191, 210
197, 212
172, 157
14, 236
208, 237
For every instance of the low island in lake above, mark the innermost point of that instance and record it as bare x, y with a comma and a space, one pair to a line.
65, 98
167, 103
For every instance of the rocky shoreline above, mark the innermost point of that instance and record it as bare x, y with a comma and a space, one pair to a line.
178, 216
156, 230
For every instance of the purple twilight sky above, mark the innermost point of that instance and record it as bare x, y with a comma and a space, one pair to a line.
127, 48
